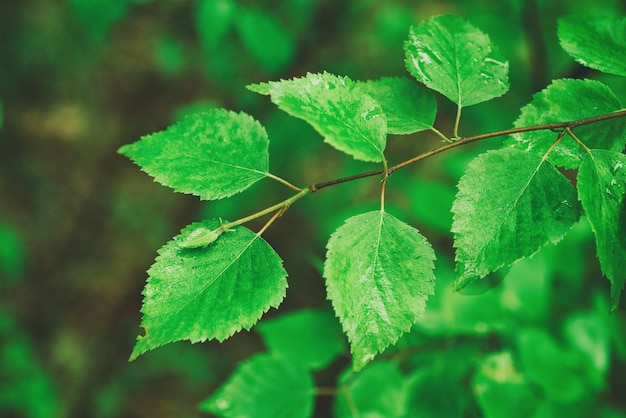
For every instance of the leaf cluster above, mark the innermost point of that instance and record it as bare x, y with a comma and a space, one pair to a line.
217, 277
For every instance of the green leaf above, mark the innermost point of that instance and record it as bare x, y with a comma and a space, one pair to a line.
266, 39
501, 390
212, 155
348, 119
379, 273
568, 100
211, 292
264, 386
451, 56
594, 41
601, 187
378, 391
558, 371
213, 21
311, 338
510, 203
408, 108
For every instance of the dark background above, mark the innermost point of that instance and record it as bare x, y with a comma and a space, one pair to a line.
80, 224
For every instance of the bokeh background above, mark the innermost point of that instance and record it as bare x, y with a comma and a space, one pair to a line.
80, 224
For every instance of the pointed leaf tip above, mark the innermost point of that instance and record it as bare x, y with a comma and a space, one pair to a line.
451, 56
336, 108
510, 203
209, 292
602, 192
212, 155
379, 274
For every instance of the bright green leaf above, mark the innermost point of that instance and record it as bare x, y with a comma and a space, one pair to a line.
210, 292
510, 203
212, 155
602, 186
266, 39
379, 274
564, 101
348, 119
451, 56
264, 386
594, 41
408, 107
312, 338
378, 391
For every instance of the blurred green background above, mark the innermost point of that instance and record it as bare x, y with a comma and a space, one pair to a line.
79, 224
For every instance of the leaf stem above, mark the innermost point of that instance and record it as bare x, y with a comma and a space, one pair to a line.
548, 126
283, 181
457, 121
440, 134
281, 207
575, 138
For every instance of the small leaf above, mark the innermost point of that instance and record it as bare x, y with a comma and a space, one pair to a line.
451, 56
594, 41
408, 108
212, 292
312, 338
213, 155
510, 203
201, 237
567, 100
379, 274
264, 386
601, 187
348, 119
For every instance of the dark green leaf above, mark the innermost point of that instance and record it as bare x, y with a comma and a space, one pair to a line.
557, 370
451, 56
510, 203
266, 39
564, 101
264, 386
601, 187
312, 338
379, 274
348, 119
594, 41
378, 391
210, 292
212, 155
213, 20
408, 108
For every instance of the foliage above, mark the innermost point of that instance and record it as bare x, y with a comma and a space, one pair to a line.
440, 264
208, 283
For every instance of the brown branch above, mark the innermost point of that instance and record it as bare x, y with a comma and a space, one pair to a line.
564, 126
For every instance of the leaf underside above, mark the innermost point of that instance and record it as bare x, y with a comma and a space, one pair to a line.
601, 187
510, 203
348, 119
451, 56
199, 294
379, 274
212, 155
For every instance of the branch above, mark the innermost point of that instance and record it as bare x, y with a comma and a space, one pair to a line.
565, 126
